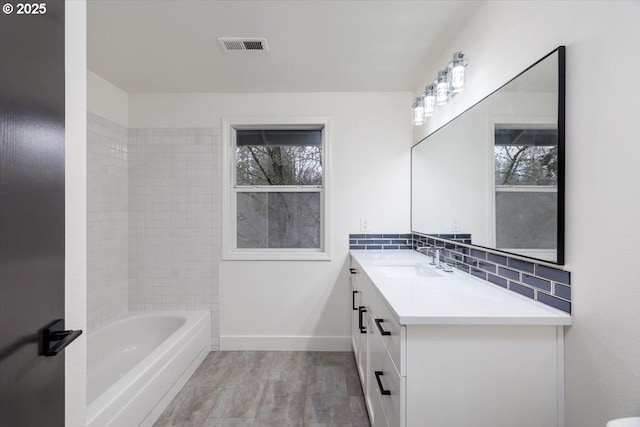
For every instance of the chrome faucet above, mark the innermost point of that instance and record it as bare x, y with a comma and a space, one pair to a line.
435, 254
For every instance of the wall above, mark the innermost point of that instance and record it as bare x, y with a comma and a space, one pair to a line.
603, 345
107, 100
75, 209
303, 304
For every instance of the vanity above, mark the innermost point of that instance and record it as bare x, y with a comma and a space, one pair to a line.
445, 349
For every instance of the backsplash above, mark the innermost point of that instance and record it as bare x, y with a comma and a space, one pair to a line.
380, 241
548, 285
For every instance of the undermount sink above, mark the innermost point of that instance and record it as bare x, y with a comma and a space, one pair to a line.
413, 269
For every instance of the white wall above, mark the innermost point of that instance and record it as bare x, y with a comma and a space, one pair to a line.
75, 209
603, 197
303, 304
107, 100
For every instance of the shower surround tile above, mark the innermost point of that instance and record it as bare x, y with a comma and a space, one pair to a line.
107, 221
174, 233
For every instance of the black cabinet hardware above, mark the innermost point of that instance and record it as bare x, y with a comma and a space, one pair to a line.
53, 338
382, 390
361, 310
382, 331
353, 301
352, 271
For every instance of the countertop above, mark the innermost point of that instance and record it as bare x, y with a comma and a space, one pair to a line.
453, 298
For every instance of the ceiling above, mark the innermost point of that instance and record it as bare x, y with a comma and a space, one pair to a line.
314, 46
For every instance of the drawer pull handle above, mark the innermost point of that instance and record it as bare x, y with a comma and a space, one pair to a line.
382, 331
382, 390
361, 310
353, 301
352, 271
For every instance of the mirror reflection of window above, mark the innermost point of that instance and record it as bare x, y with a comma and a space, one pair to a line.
526, 189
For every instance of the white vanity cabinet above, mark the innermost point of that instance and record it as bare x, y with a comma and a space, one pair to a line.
455, 371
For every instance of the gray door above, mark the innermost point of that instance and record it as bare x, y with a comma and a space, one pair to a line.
32, 121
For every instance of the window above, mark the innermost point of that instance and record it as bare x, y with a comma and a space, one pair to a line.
276, 193
526, 184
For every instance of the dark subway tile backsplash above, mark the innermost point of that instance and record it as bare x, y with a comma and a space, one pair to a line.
381, 241
509, 274
554, 302
536, 282
498, 259
496, 280
553, 274
522, 290
520, 265
562, 291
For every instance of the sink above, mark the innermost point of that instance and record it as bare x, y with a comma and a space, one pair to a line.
413, 269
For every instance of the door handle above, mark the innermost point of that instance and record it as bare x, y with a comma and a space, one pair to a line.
353, 301
361, 310
353, 271
54, 339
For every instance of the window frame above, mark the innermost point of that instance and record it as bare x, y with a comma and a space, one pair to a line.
230, 251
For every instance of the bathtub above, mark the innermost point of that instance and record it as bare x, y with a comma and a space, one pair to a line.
137, 364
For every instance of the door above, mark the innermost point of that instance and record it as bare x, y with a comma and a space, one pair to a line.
32, 122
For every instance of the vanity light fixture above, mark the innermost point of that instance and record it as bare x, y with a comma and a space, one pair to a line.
450, 81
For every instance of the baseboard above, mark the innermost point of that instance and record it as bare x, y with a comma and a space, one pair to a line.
284, 343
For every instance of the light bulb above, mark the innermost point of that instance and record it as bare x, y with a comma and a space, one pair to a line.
429, 101
457, 72
457, 78
442, 89
418, 112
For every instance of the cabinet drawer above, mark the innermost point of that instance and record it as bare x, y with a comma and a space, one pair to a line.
392, 333
376, 416
387, 379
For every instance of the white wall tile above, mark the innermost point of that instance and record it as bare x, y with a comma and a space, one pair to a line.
173, 214
107, 221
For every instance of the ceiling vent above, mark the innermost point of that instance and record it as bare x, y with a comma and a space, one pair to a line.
241, 43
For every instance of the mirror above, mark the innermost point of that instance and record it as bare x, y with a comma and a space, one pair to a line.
495, 174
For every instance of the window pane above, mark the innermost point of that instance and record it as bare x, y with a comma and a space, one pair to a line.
526, 220
279, 220
526, 156
278, 157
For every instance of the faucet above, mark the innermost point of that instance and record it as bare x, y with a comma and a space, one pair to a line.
435, 254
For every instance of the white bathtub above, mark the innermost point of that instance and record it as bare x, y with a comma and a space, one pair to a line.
136, 365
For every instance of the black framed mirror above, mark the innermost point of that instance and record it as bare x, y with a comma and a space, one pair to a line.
495, 173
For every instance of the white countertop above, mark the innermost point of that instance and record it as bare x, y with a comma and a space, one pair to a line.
453, 298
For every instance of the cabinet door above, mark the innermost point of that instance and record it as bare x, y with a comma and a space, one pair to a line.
358, 327
372, 392
354, 304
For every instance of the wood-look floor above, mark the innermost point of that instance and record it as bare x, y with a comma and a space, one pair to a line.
270, 388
